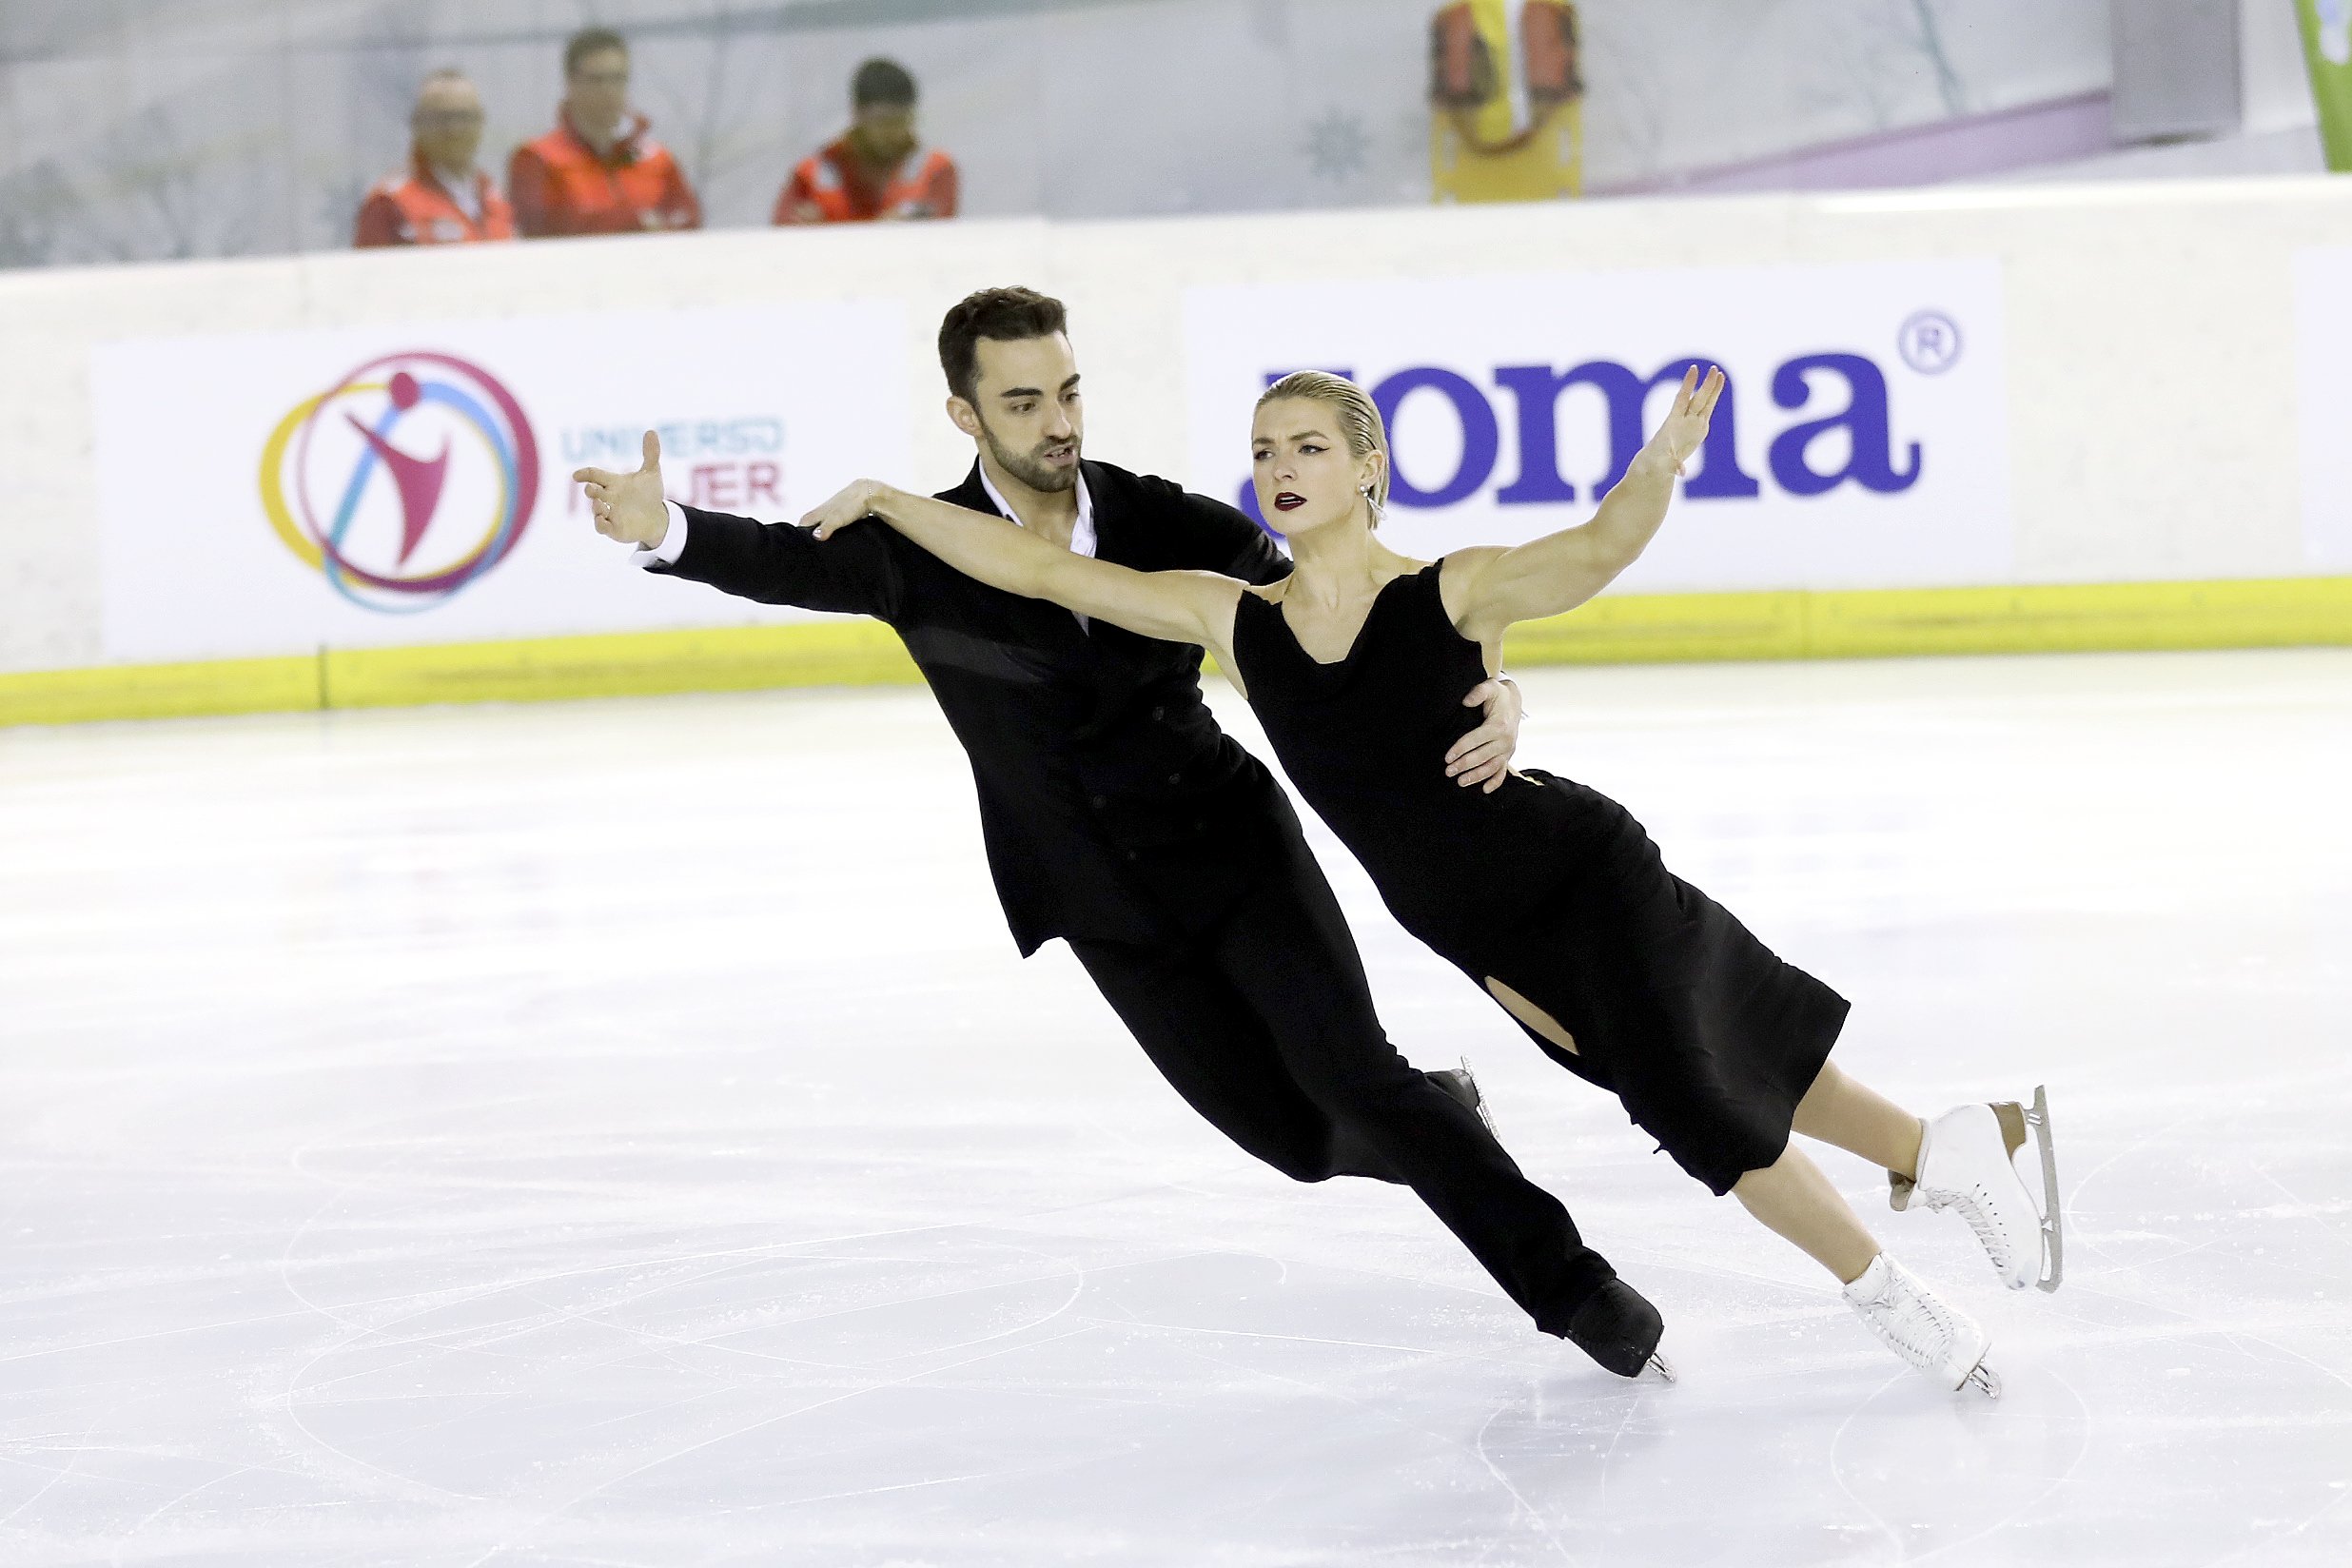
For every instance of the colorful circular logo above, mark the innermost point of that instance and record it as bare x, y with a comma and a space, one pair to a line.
353, 479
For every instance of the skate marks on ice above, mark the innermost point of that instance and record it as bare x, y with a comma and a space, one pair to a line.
2219, 1295
527, 1348
366, 1200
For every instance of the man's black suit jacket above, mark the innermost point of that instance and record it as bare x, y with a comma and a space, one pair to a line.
1113, 807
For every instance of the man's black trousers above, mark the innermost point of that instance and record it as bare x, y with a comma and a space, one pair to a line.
1265, 1026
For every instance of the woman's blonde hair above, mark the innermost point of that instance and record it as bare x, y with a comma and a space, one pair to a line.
1359, 420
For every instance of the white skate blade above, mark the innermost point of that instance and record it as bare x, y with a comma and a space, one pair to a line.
1983, 1379
1488, 1117
1661, 1367
2054, 1228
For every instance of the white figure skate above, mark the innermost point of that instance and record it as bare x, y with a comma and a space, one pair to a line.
1941, 1340
1968, 1161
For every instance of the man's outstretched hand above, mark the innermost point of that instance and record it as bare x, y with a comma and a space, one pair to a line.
628, 507
1483, 755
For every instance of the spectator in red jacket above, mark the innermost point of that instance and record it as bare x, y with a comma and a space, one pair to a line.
443, 197
878, 169
597, 172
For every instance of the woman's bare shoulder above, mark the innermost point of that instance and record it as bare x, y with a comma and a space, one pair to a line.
1472, 559
1459, 575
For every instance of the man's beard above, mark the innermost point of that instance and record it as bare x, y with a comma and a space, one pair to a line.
1029, 467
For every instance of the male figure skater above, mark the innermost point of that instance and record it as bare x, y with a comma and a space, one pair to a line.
1119, 817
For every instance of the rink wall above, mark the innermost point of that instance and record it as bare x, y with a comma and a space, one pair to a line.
1970, 421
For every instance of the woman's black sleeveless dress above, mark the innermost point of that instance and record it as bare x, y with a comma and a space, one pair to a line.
1552, 889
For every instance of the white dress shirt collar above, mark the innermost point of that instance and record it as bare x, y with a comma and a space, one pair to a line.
1081, 537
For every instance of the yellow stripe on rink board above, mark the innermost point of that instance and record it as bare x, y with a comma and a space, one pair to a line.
2272, 613
160, 691
1663, 628
734, 658
1629, 629
1889, 622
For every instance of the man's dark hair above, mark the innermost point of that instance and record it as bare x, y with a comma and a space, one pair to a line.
1000, 315
882, 82
588, 41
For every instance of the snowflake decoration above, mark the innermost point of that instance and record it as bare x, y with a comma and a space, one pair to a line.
1338, 147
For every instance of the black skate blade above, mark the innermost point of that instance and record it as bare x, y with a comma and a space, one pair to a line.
1660, 1368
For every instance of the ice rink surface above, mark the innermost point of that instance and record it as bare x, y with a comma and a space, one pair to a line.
620, 1133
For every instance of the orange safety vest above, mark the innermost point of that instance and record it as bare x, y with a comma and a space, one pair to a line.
414, 208
559, 185
832, 187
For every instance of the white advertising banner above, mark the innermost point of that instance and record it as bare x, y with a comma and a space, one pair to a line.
2323, 402
1862, 442
275, 494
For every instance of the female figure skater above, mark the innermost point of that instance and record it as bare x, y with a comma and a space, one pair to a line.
1546, 894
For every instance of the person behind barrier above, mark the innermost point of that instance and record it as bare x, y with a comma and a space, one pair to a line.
443, 197
877, 168
597, 172
1482, 63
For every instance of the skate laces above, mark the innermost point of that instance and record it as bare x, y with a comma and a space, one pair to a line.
1913, 1323
1975, 1206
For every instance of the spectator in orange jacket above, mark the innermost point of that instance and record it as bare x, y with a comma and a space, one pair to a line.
597, 172
878, 169
442, 198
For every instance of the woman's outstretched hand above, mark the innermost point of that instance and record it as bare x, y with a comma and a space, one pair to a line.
1686, 425
855, 501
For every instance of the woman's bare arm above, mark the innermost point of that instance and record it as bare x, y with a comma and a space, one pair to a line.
1174, 606
1490, 588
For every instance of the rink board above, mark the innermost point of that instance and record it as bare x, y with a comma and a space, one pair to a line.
1995, 492
1629, 629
